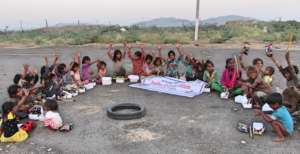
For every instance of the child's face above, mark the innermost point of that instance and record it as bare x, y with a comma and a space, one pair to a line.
119, 55
287, 75
102, 67
231, 64
88, 61
259, 65
76, 69
268, 71
274, 106
157, 62
171, 56
148, 61
209, 68
253, 75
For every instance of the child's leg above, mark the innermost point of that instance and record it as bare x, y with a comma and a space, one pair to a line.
236, 91
217, 87
279, 130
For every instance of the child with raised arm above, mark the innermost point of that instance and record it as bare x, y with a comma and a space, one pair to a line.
281, 120
137, 59
75, 71
85, 70
173, 62
230, 77
158, 63
118, 59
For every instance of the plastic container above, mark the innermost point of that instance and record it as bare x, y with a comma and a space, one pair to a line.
120, 80
106, 81
133, 78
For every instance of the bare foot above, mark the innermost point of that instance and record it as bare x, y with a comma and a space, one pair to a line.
278, 140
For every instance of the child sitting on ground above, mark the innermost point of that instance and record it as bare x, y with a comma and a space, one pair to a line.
158, 64
281, 120
173, 62
52, 119
10, 132
255, 86
147, 66
75, 72
137, 60
291, 98
189, 72
102, 71
212, 77
85, 70
290, 72
268, 75
118, 59
198, 69
230, 78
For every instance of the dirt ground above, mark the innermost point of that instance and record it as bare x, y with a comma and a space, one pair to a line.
204, 124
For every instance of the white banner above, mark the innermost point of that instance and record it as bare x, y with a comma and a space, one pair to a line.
171, 86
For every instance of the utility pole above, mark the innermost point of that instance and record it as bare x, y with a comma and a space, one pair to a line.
21, 26
46, 23
197, 20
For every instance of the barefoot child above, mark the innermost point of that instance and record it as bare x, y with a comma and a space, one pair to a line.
281, 120
118, 60
212, 77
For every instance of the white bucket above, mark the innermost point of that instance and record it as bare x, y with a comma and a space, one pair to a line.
133, 78
106, 81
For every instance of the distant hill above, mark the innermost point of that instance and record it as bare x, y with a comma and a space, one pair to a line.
165, 22
223, 19
175, 22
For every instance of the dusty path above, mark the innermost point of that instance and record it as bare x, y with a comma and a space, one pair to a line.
204, 124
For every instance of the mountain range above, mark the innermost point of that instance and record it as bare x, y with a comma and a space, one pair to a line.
176, 22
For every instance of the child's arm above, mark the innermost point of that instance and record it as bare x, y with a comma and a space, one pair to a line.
55, 61
129, 47
125, 48
241, 62
22, 101
263, 115
275, 62
109, 51
179, 49
77, 58
288, 60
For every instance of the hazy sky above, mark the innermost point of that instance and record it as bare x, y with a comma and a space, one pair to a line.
33, 12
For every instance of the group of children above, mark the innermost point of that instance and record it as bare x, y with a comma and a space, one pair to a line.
58, 80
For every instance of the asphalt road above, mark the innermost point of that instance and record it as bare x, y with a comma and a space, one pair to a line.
204, 124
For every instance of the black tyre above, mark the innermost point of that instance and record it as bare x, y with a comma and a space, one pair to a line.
138, 111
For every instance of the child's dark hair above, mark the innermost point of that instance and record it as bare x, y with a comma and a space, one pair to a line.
209, 62
6, 108
116, 52
156, 60
51, 105
227, 61
85, 59
51, 76
272, 70
17, 78
288, 70
13, 90
274, 98
256, 60
138, 54
171, 52
101, 63
149, 57
61, 68
74, 65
